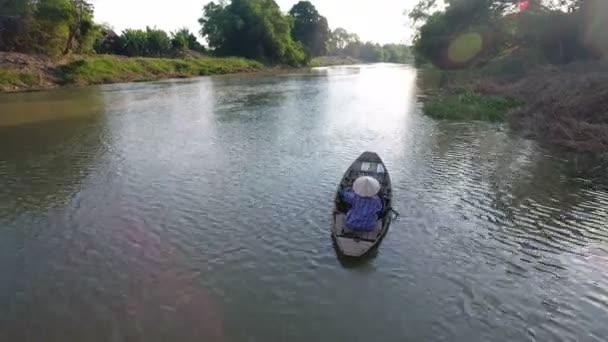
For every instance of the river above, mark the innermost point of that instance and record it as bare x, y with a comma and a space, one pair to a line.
200, 210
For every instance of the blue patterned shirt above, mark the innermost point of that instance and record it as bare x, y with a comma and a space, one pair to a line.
363, 213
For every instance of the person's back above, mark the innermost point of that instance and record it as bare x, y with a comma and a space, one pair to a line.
363, 213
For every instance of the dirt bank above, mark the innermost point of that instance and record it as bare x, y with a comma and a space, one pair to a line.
565, 106
22, 72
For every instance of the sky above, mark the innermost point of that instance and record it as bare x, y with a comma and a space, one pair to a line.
381, 21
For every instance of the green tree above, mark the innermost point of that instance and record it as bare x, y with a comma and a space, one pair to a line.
14, 7
183, 39
50, 27
13, 15
397, 53
179, 40
370, 52
158, 43
133, 43
253, 29
81, 26
466, 31
340, 39
310, 28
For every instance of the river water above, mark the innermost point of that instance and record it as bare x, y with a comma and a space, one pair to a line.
199, 210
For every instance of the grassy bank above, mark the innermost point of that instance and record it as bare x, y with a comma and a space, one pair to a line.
465, 104
563, 106
22, 72
111, 69
10, 79
331, 61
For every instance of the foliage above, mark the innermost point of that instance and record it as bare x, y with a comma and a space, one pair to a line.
480, 30
150, 42
183, 40
468, 105
339, 39
158, 43
82, 29
251, 28
248, 28
110, 69
11, 29
10, 80
310, 28
367, 52
14, 7
48, 26
397, 53
331, 60
133, 43
345, 44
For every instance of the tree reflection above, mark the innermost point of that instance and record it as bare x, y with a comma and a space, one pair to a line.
48, 142
523, 195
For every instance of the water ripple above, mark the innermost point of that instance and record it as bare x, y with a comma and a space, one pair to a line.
201, 210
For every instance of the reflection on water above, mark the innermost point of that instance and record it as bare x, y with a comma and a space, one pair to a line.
200, 210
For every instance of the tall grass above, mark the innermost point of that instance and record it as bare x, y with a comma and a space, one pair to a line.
332, 60
113, 69
11, 80
467, 105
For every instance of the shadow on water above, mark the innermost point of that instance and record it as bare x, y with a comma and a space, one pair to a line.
48, 147
82, 264
519, 193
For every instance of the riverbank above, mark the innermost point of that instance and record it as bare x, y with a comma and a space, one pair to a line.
20, 72
561, 106
324, 61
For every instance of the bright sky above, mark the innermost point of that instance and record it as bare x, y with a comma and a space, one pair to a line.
380, 21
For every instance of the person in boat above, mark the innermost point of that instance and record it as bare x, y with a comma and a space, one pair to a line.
365, 205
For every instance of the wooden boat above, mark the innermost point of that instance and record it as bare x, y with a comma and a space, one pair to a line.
357, 244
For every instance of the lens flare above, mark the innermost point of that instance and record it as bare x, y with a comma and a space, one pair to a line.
465, 47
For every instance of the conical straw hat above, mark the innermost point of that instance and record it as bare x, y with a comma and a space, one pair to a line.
366, 186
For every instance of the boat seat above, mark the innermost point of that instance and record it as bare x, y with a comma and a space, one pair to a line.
343, 230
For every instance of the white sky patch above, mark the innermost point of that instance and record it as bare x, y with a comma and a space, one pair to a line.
380, 21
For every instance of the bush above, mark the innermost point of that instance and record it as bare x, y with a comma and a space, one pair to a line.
468, 105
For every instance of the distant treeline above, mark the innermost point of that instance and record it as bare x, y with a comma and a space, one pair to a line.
254, 29
257, 29
466, 33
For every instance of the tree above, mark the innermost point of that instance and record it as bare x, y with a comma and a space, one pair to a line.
253, 29
50, 28
179, 40
194, 44
339, 39
370, 52
11, 25
81, 23
397, 53
14, 7
133, 43
310, 28
477, 30
183, 39
158, 43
